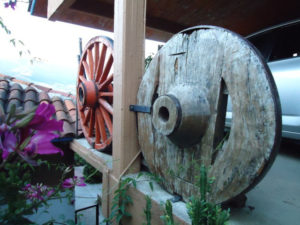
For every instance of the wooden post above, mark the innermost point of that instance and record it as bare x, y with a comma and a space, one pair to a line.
129, 30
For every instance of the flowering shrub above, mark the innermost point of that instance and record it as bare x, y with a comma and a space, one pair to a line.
30, 133
37, 192
11, 4
72, 182
24, 136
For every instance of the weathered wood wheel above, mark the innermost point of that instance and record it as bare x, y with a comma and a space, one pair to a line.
187, 84
95, 92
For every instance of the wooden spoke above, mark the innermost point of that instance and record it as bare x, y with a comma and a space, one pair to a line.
82, 79
87, 69
106, 105
101, 125
81, 108
91, 63
107, 68
87, 117
106, 82
107, 120
95, 92
92, 123
97, 131
96, 52
81, 72
102, 94
101, 63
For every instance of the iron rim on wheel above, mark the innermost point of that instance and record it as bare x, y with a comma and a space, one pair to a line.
95, 92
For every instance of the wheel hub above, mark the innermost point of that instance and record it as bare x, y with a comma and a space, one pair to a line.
88, 93
182, 115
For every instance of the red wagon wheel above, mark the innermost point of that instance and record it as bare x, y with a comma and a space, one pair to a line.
95, 92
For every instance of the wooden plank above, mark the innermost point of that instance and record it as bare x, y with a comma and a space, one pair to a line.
99, 160
128, 69
105, 188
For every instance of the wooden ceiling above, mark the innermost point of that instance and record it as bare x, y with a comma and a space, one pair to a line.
167, 17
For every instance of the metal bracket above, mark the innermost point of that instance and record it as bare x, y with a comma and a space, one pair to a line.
140, 108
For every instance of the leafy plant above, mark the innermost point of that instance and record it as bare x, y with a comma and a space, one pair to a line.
78, 161
20, 46
167, 216
148, 60
91, 174
202, 212
23, 137
120, 201
147, 211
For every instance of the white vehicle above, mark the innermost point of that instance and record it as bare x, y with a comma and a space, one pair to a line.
280, 46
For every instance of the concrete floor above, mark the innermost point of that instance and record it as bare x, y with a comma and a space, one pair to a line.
59, 210
87, 196
276, 199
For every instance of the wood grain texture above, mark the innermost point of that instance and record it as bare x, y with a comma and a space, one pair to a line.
244, 17
129, 67
101, 161
202, 58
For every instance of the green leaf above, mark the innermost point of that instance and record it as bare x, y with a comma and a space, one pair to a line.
13, 41
12, 111
25, 121
134, 183
151, 185
25, 143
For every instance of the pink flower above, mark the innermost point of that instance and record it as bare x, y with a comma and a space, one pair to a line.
40, 143
72, 182
8, 141
37, 192
41, 120
49, 193
12, 4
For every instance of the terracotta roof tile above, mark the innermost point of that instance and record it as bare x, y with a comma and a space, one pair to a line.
4, 84
68, 130
58, 104
27, 95
29, 105
30, 88
72, 114
30, 95
70, 104
61, 115
15, 102
2, 103
3, 94
16, 86
44, 97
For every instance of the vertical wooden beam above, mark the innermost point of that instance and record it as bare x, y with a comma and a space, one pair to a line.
129, 47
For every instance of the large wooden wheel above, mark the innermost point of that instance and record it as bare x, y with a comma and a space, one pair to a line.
95, 92
187, 85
